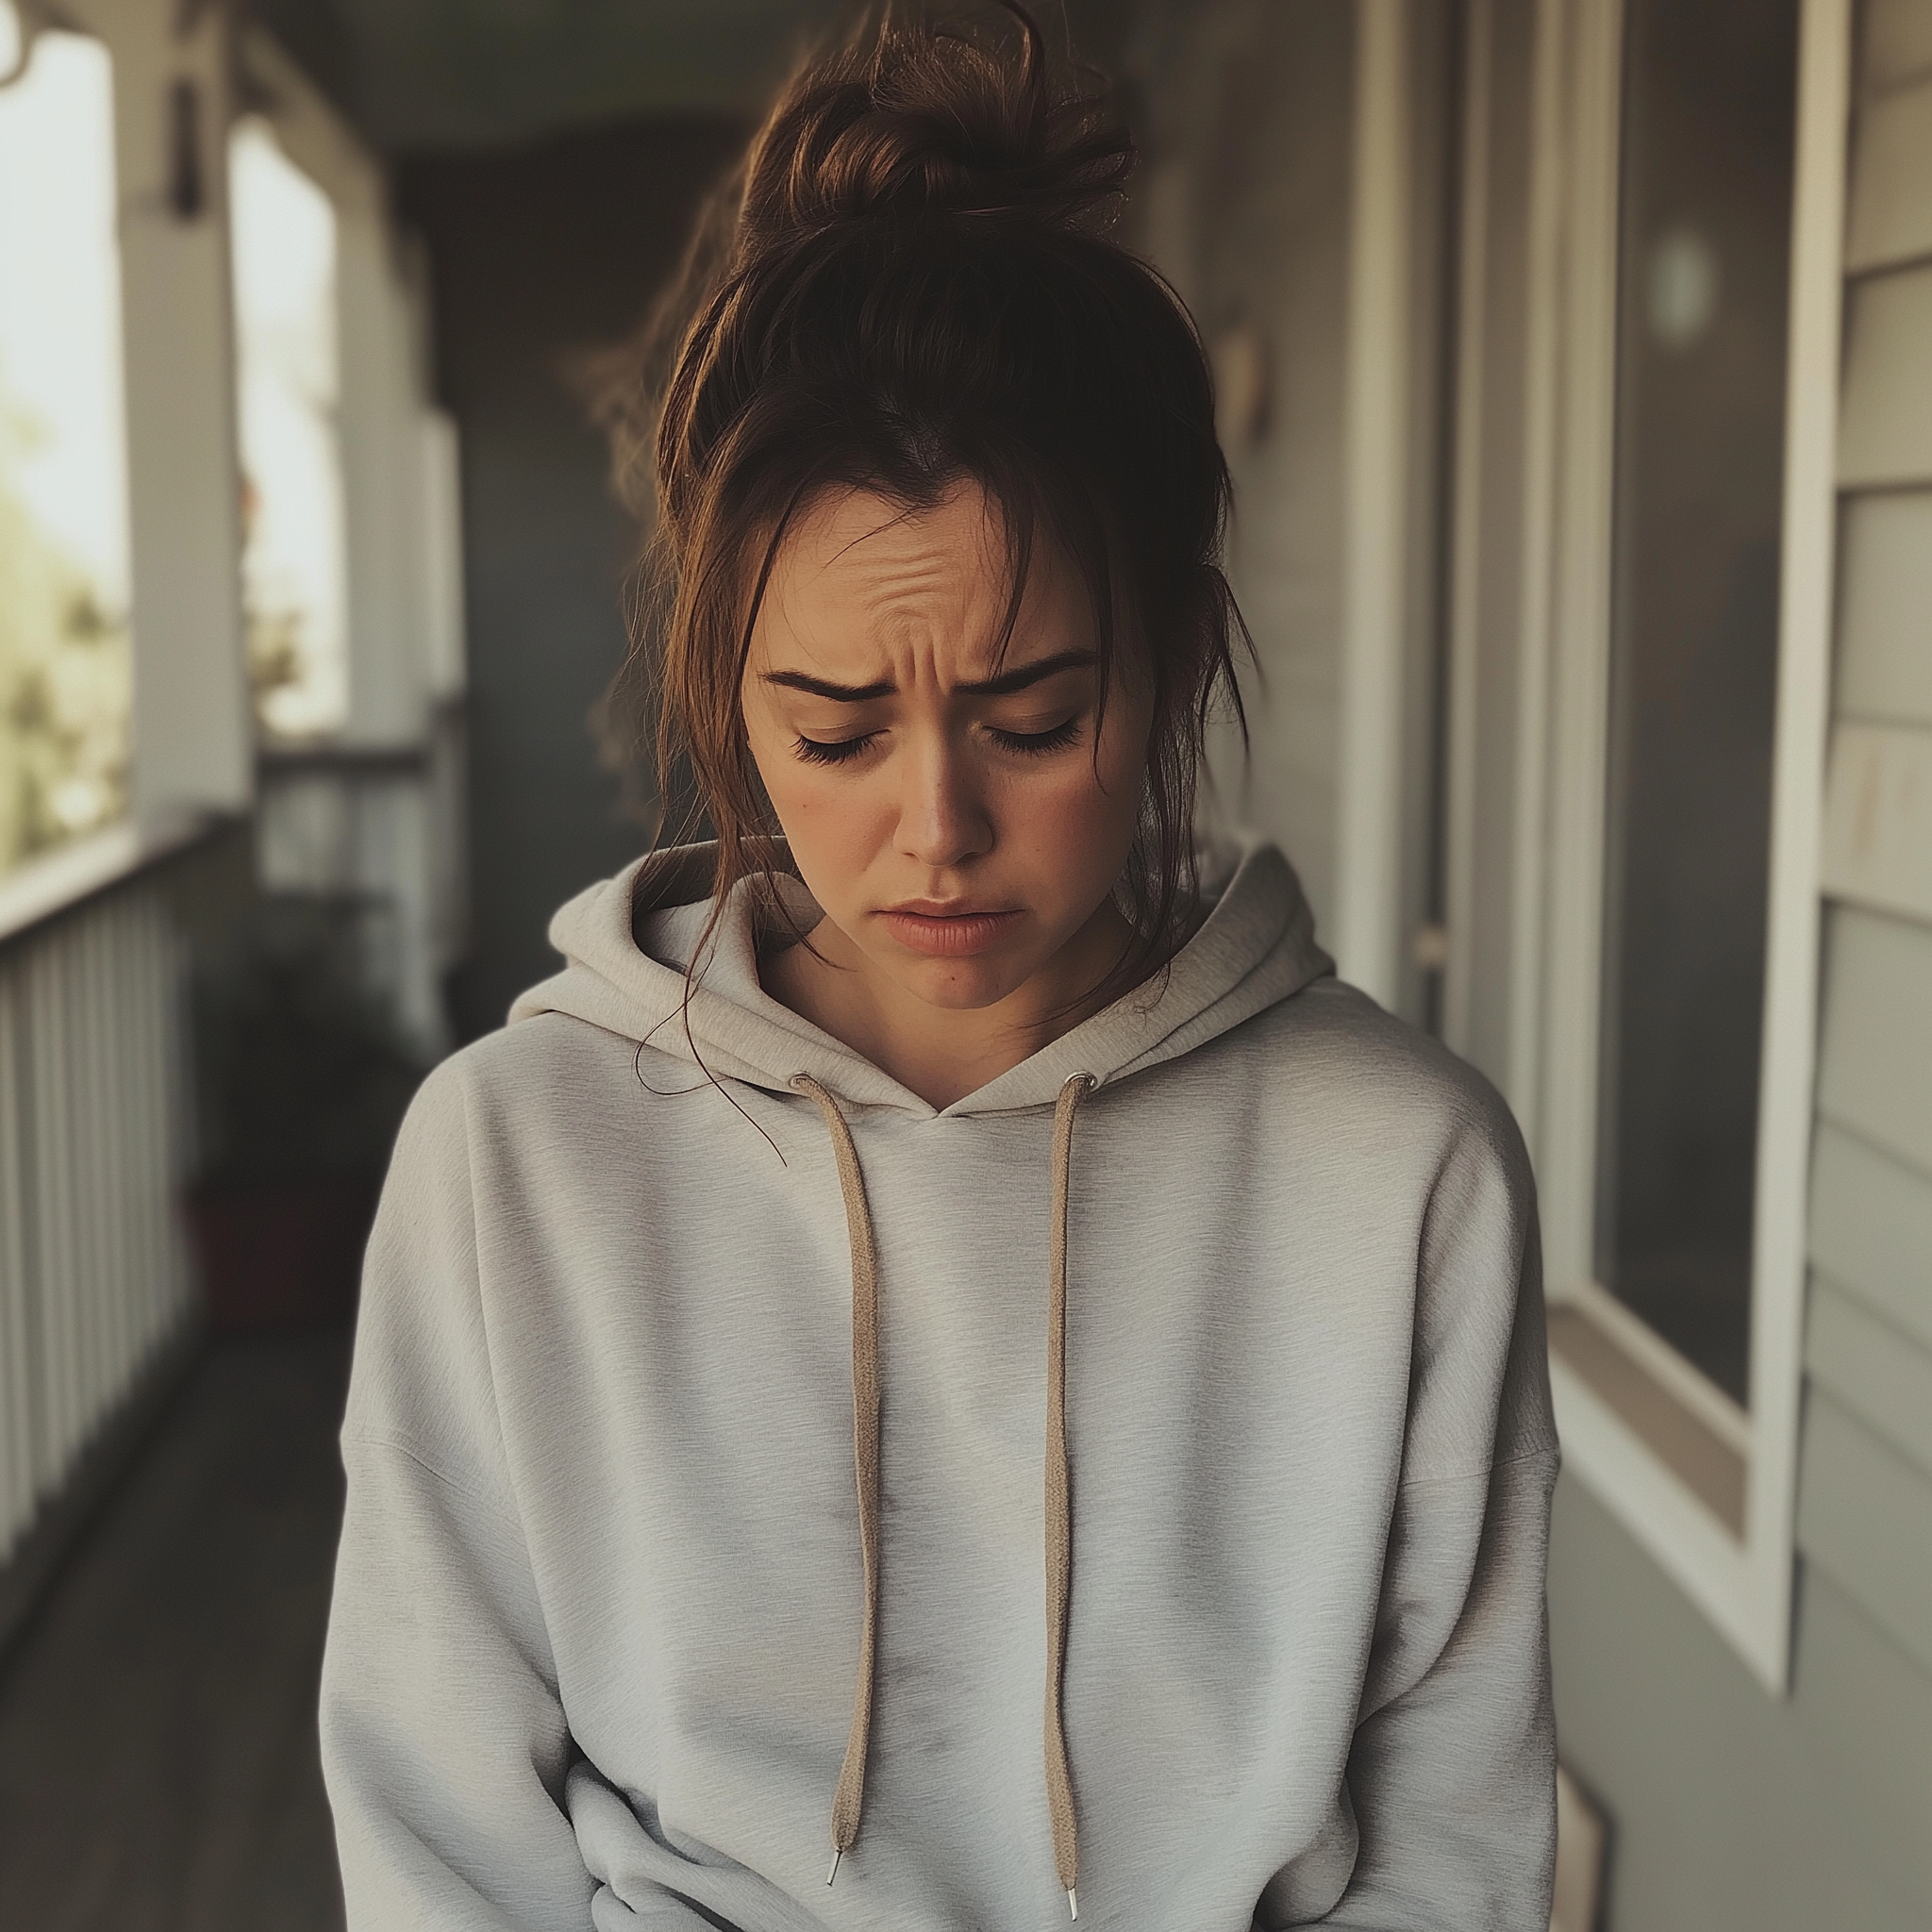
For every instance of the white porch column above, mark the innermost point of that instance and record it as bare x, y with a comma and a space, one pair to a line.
193, 742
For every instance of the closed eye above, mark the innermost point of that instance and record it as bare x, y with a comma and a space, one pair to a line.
835, 751
1037, 742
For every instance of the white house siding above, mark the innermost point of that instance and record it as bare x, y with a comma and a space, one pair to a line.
1865, 1510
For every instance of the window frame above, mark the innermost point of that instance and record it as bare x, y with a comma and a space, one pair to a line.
394, 681
265, 118
1624, 1433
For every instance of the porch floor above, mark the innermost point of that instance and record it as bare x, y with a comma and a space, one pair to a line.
157, 1759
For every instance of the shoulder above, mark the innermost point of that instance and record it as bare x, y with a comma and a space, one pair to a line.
1335, 1060
539, 1122
1403, 1105
547, 1066
1413, 1141
530, 1055
500, 1134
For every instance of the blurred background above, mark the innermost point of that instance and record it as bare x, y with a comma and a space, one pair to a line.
1574, 360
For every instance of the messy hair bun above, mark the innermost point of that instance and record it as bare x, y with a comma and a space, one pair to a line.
934, 123
910, 281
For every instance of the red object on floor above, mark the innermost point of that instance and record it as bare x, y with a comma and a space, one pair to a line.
282, 1254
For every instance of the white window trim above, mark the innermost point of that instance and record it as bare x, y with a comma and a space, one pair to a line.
382, 401
1742, 1584
1377, 431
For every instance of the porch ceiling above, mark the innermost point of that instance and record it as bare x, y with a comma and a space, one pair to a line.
442, 74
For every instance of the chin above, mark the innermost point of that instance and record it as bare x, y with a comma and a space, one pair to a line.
961, 985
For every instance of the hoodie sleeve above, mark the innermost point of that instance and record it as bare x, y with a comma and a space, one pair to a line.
1451, 1773
444, 1744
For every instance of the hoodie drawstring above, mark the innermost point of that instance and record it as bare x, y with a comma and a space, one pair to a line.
1059, 1506
848, 1802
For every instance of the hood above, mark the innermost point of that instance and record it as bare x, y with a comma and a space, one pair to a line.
627, 942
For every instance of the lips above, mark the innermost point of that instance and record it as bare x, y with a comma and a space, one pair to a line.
943, 935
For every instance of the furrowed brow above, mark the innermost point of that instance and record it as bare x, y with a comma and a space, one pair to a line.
825, 687
1022, 677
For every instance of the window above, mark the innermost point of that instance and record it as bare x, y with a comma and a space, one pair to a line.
65, 648
1644, 519
283, 230
1705, 220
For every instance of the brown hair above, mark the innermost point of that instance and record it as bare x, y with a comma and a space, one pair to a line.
908, 283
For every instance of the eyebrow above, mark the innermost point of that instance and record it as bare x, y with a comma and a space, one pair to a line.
1022, 677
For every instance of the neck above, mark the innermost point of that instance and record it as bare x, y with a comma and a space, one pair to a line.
942, 1053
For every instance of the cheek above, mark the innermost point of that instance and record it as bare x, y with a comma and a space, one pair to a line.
1071, 828
1115, 780
833, 824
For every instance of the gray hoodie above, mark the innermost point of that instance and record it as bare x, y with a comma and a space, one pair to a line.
613, 1613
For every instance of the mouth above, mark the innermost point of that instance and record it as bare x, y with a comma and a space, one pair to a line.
947, 932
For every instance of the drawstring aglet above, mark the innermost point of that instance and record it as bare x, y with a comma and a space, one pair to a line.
838, 1853
1073, 1903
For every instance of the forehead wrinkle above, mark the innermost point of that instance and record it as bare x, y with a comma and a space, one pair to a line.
904, 514
888, 602
917, 595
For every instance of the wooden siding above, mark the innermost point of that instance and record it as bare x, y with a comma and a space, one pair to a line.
1865, 1517
1877, 848
1872, 1369
1885, 430
1865, 1490
1872, 1229
1897, 45
1875, 1067
1885, 609
1891, 213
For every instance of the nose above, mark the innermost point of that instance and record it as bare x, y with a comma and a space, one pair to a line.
943, 820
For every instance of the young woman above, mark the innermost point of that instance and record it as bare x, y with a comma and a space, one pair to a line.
944, 1350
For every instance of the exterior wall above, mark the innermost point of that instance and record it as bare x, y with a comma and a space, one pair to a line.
1731, 1811
1729, 1808
1296, 190
1247, 202
1865, 1509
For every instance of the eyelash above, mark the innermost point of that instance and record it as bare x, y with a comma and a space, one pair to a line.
839, 751
842, 751
1057, 739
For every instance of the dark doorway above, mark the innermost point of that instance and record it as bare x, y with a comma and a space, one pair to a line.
537, 255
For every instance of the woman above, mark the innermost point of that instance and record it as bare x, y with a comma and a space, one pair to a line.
944, 1327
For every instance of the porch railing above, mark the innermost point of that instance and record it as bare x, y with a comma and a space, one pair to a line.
95, 1132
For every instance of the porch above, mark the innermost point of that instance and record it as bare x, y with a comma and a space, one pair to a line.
300, 782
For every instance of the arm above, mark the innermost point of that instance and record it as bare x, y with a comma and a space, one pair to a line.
1452, 1773
444, 1744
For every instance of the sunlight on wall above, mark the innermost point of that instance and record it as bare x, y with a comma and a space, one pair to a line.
284, 245
65, 661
